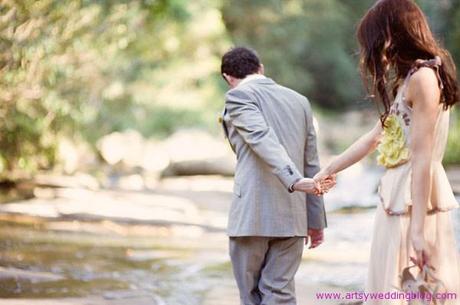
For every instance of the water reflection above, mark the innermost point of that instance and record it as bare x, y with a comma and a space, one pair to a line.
175, 265
171, 270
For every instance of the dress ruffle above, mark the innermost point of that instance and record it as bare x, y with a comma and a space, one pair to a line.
396, 194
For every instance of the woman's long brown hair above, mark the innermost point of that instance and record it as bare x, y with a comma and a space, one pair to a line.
393, 35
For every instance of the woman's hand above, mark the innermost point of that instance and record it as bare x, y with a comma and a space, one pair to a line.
308, 185
423, 93
325, 180
421, 254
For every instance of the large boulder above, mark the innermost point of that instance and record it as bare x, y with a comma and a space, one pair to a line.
186, 152
124, 146
74, 155
195, 152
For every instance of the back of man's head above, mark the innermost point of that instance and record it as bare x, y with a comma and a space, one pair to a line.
240, 62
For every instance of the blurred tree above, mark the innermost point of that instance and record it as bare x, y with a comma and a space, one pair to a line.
165, 76
308, 45
84, 67
46, 73
451, 27
444, 17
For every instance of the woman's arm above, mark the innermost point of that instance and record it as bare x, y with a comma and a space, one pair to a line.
357, 151
424, 94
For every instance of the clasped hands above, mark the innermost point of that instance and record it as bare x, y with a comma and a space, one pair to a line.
320, 184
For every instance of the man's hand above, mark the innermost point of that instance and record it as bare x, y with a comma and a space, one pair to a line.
316, 237
307, 185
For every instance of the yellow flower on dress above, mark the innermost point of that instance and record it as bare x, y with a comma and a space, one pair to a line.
392, 148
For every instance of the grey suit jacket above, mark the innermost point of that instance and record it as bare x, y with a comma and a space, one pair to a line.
270, 128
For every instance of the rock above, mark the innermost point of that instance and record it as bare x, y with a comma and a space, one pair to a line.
133, 151
194, 152
131, 183
33, 276
16, 190
74, 155
124, 146
124, 294
155, 157
118, 207
220, 166
186, 152
78, 180
186, 145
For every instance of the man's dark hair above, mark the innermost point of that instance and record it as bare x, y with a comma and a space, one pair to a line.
240, 62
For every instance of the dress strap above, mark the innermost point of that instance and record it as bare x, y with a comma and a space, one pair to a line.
434, 64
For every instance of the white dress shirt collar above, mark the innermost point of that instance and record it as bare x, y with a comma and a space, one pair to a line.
251, 77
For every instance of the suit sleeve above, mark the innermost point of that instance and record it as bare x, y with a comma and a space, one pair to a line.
247, 119
315, 204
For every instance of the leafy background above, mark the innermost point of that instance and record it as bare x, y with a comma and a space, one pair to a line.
81, 69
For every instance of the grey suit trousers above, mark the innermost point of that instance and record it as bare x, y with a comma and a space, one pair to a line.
264, 268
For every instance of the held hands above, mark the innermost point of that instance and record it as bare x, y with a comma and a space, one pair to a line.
325, 180
326, 183
307, 185
318, 185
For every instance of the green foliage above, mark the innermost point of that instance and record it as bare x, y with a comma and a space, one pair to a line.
73, 67
91, 67
42, 79
306, 45
444, 18
452, 29
310, 45
452, 155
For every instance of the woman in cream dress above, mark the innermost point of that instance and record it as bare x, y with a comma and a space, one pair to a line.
413, 223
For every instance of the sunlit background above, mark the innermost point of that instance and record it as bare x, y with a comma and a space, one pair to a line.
115, 177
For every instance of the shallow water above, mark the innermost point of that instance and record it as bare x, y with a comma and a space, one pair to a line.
342, 260
170, 269
172, 272
174, 269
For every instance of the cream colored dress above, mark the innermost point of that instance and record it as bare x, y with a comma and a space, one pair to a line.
391, 248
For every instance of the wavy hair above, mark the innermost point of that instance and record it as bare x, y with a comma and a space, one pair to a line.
393, 35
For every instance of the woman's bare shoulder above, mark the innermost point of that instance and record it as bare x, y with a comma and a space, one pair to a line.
424, 87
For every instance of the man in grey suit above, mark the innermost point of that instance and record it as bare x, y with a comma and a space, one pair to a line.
274, 208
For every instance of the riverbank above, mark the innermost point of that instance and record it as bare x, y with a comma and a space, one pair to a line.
163, 246
166, 246
135, 300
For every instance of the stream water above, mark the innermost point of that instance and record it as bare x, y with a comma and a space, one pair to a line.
77, 259
170, 269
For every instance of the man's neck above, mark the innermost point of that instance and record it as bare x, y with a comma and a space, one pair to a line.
251, 77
